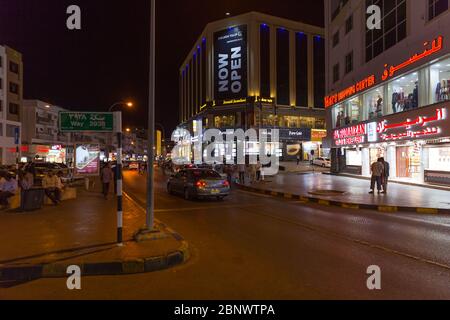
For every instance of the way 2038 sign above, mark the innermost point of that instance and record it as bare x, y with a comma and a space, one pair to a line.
86, 121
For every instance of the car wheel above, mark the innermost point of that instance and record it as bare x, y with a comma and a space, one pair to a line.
187, 195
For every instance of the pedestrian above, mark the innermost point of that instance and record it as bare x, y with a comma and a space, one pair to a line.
298, 160
241, 169
52, 187
26, 180
258, 171
377, 170
252, 172
107, 176
8, 189
386, 175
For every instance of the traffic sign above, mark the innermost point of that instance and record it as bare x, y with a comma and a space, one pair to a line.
86, 121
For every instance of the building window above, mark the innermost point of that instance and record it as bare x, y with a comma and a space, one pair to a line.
13, 67
265, 60
283, 83
11, 130
204, 71
301, 65
13, 88
1, 62
349, 63
373, 104
440, 81
349, 24
436, 8
225, 121
336, 39
393, 27
336, 75
13, 108
403, 93
1, 83
319, 71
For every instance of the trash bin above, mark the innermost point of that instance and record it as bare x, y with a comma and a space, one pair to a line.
32, 199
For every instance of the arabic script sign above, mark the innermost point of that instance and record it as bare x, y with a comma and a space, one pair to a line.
86, 121
420, 127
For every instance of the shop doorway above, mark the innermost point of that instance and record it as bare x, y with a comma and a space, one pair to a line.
408, 162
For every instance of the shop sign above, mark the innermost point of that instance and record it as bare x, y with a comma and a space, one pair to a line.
318, 135
350, 91
351, 135
421, 127
303, 134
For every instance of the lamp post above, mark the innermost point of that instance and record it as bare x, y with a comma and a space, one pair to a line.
150, 218
119, 192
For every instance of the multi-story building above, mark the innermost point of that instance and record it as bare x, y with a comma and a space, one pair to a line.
388, 88
258, 71
11, 93
42, 139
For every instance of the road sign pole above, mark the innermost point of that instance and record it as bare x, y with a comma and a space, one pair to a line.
119, 179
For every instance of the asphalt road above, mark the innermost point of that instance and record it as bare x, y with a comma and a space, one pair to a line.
257, 247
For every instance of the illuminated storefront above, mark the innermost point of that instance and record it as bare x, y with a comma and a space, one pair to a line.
401, 114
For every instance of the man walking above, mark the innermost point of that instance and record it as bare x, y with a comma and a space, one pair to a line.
386, 174
241, 168
377, 170
8, 189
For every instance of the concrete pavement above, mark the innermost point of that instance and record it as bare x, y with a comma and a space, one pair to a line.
82, 232
258, 247
353, 193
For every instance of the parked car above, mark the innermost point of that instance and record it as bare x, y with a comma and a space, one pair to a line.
41, 168
198, 183
322, 162
133, 166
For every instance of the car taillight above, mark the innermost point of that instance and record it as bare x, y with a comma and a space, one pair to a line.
226, 183
201, 184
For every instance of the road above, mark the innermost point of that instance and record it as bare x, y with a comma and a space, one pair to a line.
257, 247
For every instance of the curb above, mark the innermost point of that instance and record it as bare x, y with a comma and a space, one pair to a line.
112, 268
345, 205
23, 273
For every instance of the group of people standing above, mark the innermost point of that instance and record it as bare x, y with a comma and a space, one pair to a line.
380, 171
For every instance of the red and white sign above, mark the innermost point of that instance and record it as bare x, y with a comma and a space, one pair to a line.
421, 127
351, 135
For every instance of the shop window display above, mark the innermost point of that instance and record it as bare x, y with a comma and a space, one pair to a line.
440, 81
353, 158
224, 121
374, 104
439, 159
338, 116
403, 93
352, 111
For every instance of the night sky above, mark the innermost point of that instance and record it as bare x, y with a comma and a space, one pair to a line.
107, 61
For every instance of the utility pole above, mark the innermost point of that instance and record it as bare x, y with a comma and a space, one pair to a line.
150, 219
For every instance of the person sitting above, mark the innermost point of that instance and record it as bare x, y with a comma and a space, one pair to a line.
7, 190
53, 187
27, 180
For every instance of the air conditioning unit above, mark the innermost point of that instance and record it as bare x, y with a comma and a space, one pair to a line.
40, 129
55, 131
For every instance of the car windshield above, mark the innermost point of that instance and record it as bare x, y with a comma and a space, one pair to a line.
204, 174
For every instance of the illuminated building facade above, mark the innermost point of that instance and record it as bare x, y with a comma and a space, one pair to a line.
258, 71
388, 89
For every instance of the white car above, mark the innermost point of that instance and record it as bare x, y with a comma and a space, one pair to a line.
322, 162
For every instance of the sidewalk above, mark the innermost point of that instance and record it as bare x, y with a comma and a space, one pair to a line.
354, 193
304, 166
82, 232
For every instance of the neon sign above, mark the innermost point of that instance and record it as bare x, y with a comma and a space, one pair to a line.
351, 135
350, 91
389, 72
436, 46
383, 127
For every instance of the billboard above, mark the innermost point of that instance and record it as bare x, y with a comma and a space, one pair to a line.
87, 160
230, 63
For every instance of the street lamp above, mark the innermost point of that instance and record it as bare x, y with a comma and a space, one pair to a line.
129, 104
